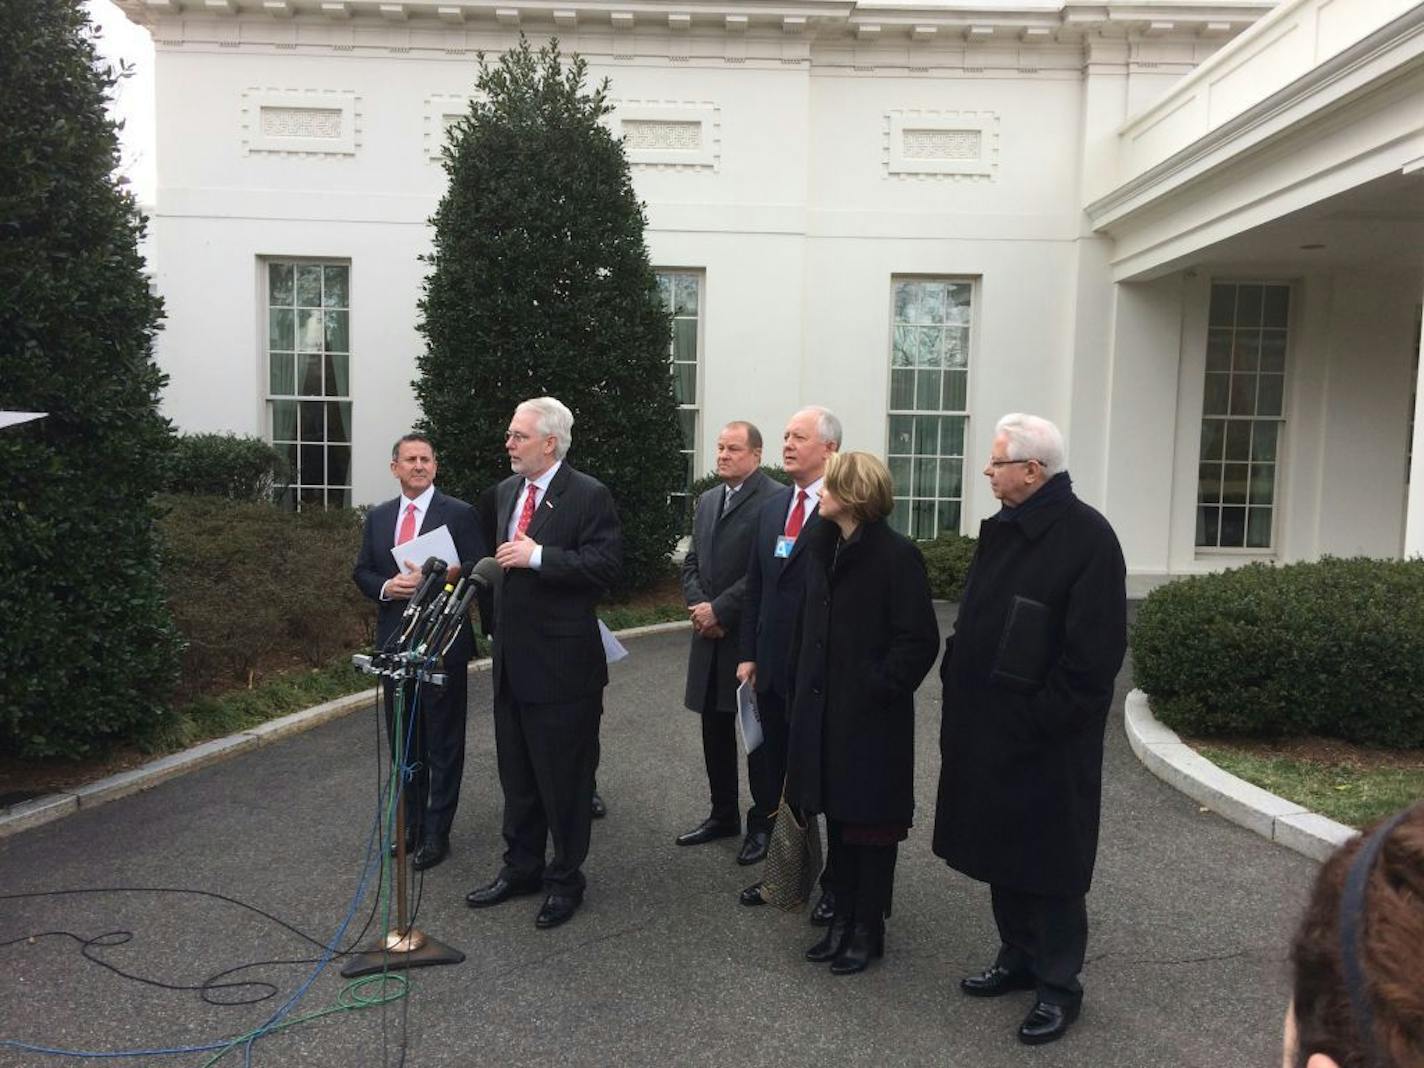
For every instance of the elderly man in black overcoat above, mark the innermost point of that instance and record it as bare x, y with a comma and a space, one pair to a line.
1028, 680
714, 579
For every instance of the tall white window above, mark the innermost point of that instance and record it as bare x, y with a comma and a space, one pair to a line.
309, 379
929, 391
1243, 415
682, 297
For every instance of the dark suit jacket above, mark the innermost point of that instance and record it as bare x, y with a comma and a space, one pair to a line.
546, 643
773, 594
374, 564
715, 570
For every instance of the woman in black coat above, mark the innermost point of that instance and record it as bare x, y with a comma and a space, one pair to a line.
865, 639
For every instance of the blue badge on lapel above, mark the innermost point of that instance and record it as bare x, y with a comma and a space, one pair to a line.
784, 545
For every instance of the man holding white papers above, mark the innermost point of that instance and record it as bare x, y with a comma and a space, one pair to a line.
714, 576
438, 752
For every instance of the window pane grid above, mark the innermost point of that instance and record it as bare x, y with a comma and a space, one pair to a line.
1242, 415
929, 389
308, 376
681, 294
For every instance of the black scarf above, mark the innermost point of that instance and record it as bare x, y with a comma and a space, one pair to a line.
1057, 488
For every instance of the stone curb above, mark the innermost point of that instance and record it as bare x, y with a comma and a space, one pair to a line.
1179, 765
41, 810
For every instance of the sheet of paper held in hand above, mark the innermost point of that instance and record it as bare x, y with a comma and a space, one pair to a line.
437, 543
748, 722
613, 649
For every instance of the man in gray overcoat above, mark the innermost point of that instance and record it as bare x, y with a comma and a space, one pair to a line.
713, 577
1028, 680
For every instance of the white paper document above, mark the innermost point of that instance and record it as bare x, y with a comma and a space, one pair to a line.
613, 649
437, 543
748, 721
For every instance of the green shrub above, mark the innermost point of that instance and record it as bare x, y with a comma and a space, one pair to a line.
249, 583
947, 560
88, 653
1333, 648
225, 465
540, 283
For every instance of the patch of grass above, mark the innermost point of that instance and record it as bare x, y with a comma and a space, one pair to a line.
625, 616
275, 696
1346, 793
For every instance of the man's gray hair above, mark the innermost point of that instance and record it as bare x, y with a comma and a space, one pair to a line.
1032, 437
554, 419
828, 424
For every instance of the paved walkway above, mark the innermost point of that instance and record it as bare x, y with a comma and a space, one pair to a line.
1190, 916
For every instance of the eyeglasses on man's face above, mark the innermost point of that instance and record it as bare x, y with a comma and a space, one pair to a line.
516, 437
1005, 463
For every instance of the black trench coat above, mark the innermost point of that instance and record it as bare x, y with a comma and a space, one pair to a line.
1027, 688
865, 639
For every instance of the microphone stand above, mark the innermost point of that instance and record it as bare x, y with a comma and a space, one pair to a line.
403, 946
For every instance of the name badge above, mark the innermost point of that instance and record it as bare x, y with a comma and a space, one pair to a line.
784, 545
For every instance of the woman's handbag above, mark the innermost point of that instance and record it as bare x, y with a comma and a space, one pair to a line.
793, 859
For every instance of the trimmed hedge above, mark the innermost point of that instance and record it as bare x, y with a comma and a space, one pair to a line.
249, 583
947, 560
225, 465
1333, 648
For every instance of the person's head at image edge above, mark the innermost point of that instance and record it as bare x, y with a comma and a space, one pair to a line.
1370, 1015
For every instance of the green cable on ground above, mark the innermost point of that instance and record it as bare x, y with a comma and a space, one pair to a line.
351, 998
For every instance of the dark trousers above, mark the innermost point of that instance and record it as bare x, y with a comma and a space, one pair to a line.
766, 765
547, 755
862, 876
719, 754
434, 731
1046, 935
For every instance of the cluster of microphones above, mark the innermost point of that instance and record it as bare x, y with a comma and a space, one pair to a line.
431, 620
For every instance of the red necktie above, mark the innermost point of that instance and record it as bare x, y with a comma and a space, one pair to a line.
525, 516
797, 516
407, 530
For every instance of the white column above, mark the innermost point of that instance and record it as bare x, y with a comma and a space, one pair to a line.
1414, 510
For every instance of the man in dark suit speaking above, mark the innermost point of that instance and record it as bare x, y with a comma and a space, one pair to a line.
563, 549
438, 753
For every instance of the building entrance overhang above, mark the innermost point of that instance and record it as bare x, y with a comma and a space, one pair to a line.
1339, 147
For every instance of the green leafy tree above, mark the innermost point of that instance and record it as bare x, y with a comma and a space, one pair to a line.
88, 650
540, 284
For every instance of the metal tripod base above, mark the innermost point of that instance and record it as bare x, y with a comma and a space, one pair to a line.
399, 951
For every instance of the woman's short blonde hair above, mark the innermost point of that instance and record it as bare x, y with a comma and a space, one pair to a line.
862, 483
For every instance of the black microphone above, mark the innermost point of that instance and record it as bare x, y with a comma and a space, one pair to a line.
473, 577
434, 571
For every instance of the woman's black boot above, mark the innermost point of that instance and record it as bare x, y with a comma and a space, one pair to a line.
866, 942
834, 943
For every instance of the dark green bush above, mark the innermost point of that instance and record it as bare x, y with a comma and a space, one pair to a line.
88, 653
1333, 648
947, 560
251, 584
540, 283
225, 465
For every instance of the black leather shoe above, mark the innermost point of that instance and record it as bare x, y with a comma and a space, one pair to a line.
432, 851
557, 909
994, 982
864, 945
824, 910
499, 891
1047, 1022
754, 847
709, 830
751, 896
833, 943
599, 808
